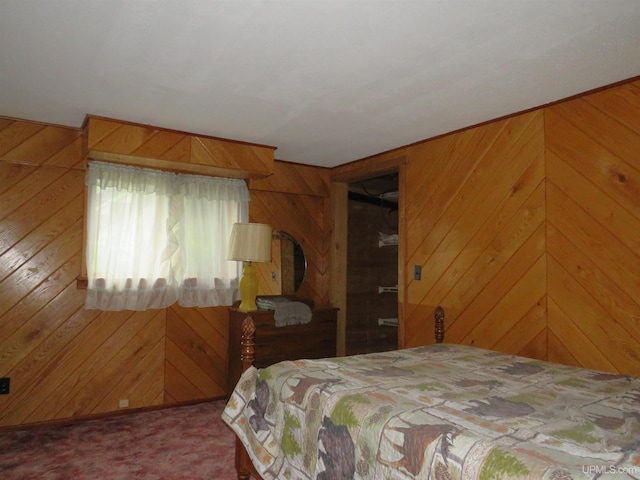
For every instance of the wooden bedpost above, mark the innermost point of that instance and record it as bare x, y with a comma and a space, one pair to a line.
247, 343
244, 467
439, 324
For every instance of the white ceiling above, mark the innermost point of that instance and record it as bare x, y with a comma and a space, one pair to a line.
325, 81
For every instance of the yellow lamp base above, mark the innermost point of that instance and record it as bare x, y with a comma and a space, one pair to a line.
248, 289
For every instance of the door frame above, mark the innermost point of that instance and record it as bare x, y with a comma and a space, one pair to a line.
341, 177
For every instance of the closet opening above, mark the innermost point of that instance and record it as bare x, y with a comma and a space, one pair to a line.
372, 265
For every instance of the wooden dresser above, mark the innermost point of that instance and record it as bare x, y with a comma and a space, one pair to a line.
316, 339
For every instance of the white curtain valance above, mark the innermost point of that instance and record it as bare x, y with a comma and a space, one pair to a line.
146, 180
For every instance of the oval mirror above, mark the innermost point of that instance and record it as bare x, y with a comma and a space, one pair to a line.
293, 264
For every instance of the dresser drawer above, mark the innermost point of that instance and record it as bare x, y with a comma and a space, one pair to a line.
316, 339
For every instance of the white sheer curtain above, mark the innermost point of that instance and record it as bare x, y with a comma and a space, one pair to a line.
155, 238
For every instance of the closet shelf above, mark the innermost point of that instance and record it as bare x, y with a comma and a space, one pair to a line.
389, 322
387, 239
388, 289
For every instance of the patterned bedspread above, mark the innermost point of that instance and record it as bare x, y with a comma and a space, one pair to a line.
440, 411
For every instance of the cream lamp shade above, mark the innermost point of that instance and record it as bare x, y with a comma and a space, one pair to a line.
250, 242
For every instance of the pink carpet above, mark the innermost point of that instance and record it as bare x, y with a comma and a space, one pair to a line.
189, 442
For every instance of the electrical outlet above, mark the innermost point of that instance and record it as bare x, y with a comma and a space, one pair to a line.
124, 403
417, 272
5, 385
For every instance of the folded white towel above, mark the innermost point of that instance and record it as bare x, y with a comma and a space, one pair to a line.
269, 303
291, 313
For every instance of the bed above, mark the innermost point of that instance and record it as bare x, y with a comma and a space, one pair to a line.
441, 411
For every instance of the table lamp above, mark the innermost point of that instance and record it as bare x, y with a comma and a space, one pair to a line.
250, 242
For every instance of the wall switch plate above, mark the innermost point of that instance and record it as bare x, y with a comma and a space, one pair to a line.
417, 272
5, 385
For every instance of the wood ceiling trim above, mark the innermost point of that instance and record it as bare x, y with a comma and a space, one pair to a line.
146, 146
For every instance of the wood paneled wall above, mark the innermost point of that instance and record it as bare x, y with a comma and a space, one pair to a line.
527, 230
593, 229
476, 225
295, 199
65, 361
195, 357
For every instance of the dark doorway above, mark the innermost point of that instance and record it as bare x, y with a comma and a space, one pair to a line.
372, 265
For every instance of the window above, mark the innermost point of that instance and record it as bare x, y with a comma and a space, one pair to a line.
155, 238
